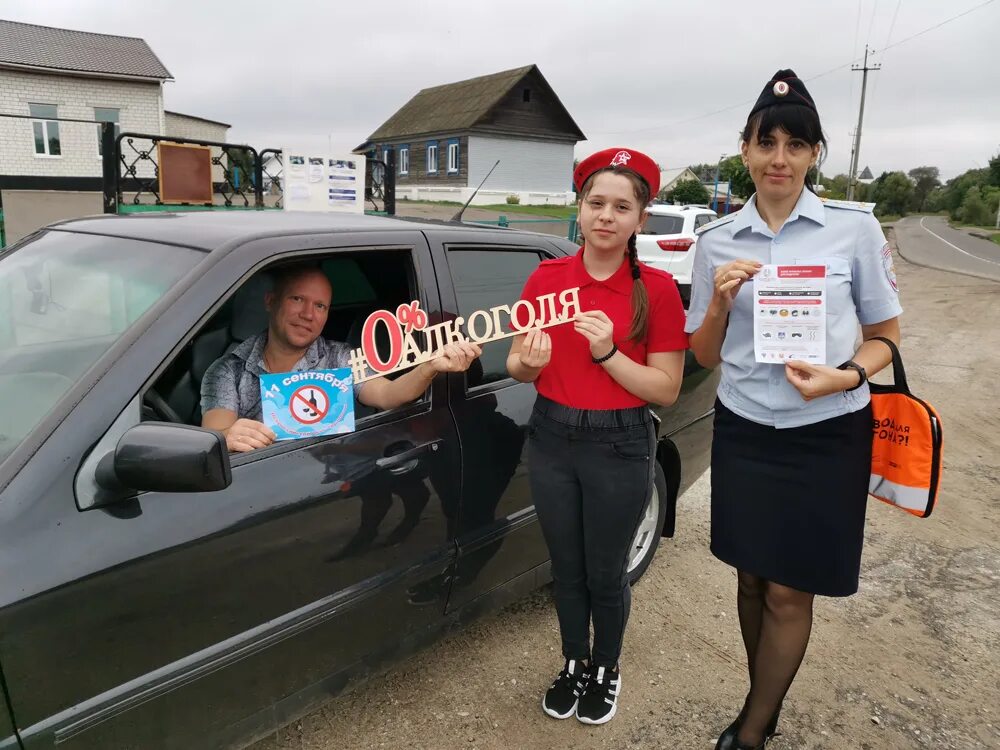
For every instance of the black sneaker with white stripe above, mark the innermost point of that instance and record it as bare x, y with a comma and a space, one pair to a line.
599, 701
560, 699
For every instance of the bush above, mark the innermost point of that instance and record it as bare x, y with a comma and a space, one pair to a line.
974, 210
513, 200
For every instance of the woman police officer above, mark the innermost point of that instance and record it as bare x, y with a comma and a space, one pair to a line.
591, 438
791, 454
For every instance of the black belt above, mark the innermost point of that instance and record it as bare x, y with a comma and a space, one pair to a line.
593, 419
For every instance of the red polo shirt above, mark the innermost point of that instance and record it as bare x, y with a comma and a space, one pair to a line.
572, 378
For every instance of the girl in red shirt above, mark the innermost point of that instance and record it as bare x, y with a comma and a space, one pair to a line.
591, 439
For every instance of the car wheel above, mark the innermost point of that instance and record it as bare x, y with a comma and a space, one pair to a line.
647, 536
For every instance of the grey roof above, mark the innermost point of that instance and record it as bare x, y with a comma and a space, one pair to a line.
78, 52
459, 106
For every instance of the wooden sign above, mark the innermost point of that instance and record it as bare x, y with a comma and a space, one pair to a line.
185, 173
481, 327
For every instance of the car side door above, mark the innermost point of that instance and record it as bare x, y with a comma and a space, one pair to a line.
199, 620
497, 532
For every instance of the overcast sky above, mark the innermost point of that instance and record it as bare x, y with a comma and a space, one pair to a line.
648, 74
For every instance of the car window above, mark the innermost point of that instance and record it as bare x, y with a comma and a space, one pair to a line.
664, 224
65, 299
362, 281
704, 219
485, 278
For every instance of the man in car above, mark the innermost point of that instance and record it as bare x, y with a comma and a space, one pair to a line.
297, 310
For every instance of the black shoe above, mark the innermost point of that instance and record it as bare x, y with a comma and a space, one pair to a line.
728, 739
599, 701
560, 700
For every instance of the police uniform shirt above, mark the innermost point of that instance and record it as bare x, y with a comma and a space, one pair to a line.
860, 288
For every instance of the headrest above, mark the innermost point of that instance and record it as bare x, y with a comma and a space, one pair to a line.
248, 315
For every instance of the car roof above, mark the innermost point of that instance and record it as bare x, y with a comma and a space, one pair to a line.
209, 230
663, 208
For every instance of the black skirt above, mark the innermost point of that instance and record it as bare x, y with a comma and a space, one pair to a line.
789, 505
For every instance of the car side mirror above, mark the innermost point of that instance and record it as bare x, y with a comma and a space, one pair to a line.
165, 457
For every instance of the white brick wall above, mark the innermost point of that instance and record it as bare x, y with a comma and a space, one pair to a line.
182, 126
140, 108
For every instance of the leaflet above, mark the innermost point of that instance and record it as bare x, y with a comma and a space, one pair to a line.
789, 319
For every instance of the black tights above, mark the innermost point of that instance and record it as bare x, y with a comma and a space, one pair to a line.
775, 621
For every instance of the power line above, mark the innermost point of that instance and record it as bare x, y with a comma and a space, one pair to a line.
811, 78
871, 22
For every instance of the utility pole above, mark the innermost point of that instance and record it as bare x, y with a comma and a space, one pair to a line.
856, 151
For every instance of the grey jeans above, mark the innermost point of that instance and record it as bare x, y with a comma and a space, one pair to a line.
591, 477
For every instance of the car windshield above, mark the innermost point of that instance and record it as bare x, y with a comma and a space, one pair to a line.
64, 300
664, 224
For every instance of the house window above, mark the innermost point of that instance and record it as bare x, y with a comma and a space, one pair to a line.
526, 95
404, 160
105, 114
453, 156
432, 157
46, 129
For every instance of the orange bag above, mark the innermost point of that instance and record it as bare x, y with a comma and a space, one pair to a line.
906, 444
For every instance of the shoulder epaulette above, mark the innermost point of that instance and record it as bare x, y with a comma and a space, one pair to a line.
717, 223
852, 205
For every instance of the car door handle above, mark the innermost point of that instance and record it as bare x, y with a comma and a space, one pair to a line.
390, 462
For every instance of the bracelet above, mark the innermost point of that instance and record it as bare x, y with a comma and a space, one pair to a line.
862, 375
606, 357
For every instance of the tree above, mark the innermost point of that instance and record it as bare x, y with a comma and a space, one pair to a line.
935, 201
836, 187
892, 193
705, 172
974, 209
688, 191
737, 175
957, 188
994, 177
925, 179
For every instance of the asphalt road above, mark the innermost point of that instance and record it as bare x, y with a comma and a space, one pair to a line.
929, 241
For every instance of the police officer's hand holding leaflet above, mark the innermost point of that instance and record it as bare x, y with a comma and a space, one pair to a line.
591, 438
297, 310
791, 456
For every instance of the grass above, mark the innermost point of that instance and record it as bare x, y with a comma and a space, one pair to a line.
889, 218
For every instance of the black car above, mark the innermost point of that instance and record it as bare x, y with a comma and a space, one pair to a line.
158, 592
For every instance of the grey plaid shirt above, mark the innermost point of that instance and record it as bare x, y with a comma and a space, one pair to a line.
232, 381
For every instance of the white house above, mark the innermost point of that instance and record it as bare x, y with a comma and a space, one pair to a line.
50, 166
447, 138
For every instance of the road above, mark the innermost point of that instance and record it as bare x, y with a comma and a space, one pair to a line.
929, 241
911, 661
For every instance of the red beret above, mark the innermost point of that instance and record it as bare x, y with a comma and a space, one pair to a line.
627, 158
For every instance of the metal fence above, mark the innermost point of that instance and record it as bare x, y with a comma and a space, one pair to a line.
242, 177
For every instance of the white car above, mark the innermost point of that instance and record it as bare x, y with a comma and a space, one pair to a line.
668, 240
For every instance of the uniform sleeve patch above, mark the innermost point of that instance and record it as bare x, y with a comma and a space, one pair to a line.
890, 270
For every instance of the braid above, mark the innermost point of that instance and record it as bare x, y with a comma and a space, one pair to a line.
640, 299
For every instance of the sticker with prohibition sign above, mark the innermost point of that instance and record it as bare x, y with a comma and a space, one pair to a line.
309, 408
309, 403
